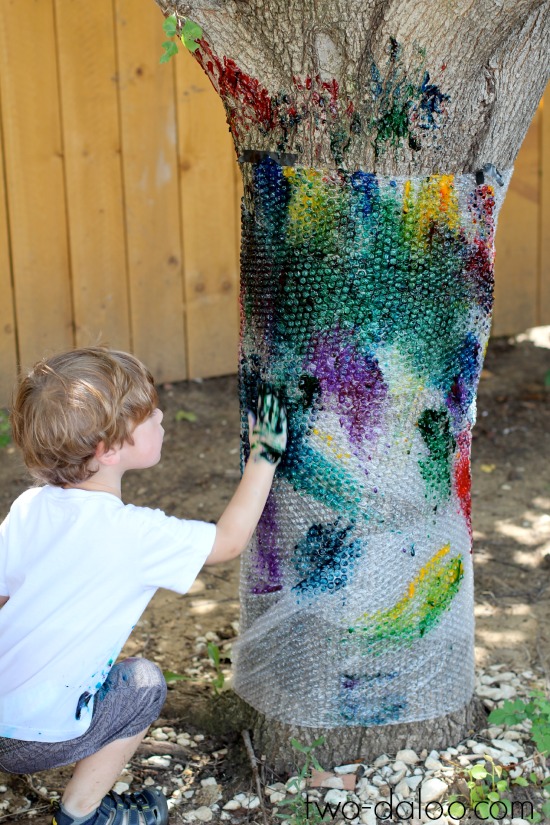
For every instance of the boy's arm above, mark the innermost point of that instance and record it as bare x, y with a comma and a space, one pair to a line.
267, 444
3, 600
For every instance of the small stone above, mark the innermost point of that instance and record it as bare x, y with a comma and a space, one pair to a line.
121, 787
396, 777
509, 747
433, 789
277, 796
148, 781
432, 764
377, 780
250, 803
159, 735
183, 740
382, 760
368, 817
277, 786
403, 789
199, 737
159, 761
295, 784
335, 796
408, 756
333, 782
203, 814
3, 788
342, 769
210, 780
413, 782
189, 794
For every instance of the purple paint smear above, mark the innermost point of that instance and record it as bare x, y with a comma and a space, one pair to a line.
354, 378
266, 565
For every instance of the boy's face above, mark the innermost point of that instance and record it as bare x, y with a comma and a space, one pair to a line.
146, 449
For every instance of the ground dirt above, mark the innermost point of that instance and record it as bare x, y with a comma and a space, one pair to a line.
196, 477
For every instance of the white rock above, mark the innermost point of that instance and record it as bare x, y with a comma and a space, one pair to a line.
518, 821
509, 747
335, 796
199, 737
432, 764
334, 782
203, 814
159, 761
188, 794
148, 781
277, 796
343, 769
210, 636
403, 789
398, 765
413, 782
396, 777
250, 803
3, 788
377, 780
368, 817
382, 760
295, 784
225, 816
433, 789
210, 780
183, 740
408, 756
159, 734
277, 786
121, 787
232, 805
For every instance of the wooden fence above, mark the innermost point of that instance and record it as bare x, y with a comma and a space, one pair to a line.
119, 197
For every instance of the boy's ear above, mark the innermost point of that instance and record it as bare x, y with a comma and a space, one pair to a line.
108, 457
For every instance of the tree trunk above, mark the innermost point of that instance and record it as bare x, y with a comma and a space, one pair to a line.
376, 140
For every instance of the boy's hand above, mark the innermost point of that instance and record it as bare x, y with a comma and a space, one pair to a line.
268, 432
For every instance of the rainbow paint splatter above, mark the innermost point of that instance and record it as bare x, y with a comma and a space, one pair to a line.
367, 301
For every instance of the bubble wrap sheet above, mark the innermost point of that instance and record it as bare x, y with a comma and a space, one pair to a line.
367, 301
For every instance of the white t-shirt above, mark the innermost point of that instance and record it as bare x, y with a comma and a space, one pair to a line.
79, 568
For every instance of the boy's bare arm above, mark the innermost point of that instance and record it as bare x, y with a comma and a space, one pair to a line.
3, 600
267, 444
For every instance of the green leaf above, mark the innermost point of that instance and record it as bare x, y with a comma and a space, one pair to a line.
213, 653
478, 772
170, 26
535, 818
297, 745
546, 808
185, 415
520, 780
502, 785
547, 379
170, 676
316, 764
190, 33
170, 49
493, 796
482, 810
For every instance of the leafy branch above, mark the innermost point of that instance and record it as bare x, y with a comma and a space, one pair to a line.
189, 33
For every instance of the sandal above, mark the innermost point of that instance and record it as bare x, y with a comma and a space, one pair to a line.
146, 807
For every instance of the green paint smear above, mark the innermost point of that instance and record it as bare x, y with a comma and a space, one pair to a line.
413, 617
434, 426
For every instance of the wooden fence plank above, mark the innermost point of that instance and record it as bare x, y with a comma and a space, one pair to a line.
517, 242
211, 269
34, 178
93, 171
151, 188
544, 289
8, 343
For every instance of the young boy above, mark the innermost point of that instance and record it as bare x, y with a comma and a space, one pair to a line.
78, 567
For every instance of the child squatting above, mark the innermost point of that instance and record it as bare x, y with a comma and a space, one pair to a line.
78, 568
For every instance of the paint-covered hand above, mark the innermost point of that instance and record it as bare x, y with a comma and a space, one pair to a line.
268, 431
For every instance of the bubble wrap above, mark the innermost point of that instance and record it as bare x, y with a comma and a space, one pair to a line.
367, 301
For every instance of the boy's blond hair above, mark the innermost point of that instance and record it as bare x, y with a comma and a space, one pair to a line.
71, 402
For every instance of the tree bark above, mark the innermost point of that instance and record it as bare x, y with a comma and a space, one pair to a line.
376, 140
